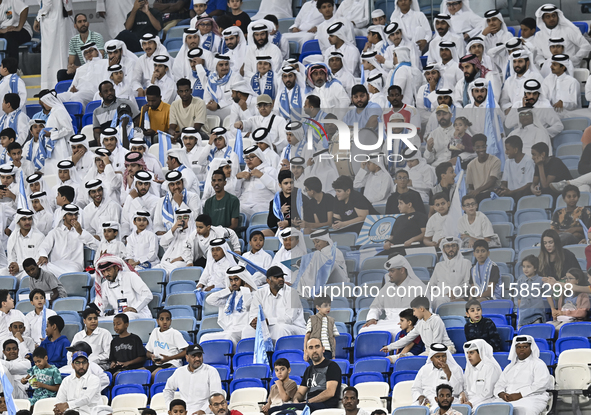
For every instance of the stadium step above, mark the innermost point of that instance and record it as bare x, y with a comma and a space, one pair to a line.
33, 83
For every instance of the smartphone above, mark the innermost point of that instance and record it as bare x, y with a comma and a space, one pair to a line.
2, 187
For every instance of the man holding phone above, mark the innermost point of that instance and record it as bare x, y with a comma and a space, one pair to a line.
178, 242
141, 20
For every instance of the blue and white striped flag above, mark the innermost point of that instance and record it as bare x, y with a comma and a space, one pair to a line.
7, 390
362, 75
22, 202
262, 340
239, 146
164, 144
492, 129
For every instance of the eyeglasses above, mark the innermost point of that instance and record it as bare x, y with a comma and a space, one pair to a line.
80, 362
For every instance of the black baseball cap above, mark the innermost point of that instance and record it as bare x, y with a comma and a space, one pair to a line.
194, 349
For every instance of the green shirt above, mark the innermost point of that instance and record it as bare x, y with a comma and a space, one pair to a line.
50, 376
222, 211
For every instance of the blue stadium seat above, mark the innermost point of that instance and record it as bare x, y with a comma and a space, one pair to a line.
33, 109
548, 357
217, 352
402, 376
8, 282
578, 328
75, 109
164, 374
180, 311
511, 30
454, 321
298, 368
342, 342
531, 214
91, 106
498, 307
245, 358
457, 336
173, 43
154, 279
259, 371
175, 287
363, 377
542, 344
245, 383
526, 241
70, 317
128, 388
494, 408
422, 273
497, 216
369, 344
506, 333
343, 364
225, 376
293, 355
456, 308
424, 60
540, 331
141, 101
290, 342
363, 302
63, 86
360, 42
498, 319
140, 377
535, 202
460, 359
572, 342
76, 284
311, 47
583, 27
370, 275
157, 388
506, 204
186, 274
414, 363
372, 364
567, 137
502, 358
245, 345
69, 303
181, 299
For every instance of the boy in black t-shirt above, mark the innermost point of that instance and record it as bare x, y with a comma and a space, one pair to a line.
548, 170
351, 207
319, 208
409, 228
127, 350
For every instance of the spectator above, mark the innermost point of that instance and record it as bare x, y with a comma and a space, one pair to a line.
172, 11
141, 20
573, 307
280, 213
407, 323
434, 232
22, 242
43, 280
75, 55
409, 228
46, 377
155, 115
554, 259
14, 119
81, 391
186, 112
97, 337
548, 170
17, 366
315, 328
238, 17
518, 172
166, 346
446, 176
12, 83
452, 271
284, 388
483, 173
474, 225
194, 390
481, 374
565, 221
479, 327
127, 349
258, 255
351, 207
55, 343
531, 308
34, 320
92, 367
14, 26
223, 208
444, 398
26, 344
401, 180
104, 114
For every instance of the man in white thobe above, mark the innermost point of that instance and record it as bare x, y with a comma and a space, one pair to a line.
259, 44
321, 82
144, 66
414, 22
401, 279
281, 307
176, 159
522, 68
101, 209
177, 197
81, 156
257, 183
81, 391
23, 243
273, 123
178, 242
562, 90
481, 375
531, 130
474, 69
524, 381
444, 32
140, 198
87, 77
339, 43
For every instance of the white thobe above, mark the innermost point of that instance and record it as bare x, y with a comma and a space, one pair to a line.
5, 319
34, 323
458, 95
255, 193
193, 203
433, 53
146, 202
441, 139
250, 61
308, 17
143, 247
403, 77
530, 135
94, 216
80, 393
215, 273
347, 80
531, 378
545, 115
86, 81
333, 96
423, 178
65, 249
176, 245
277, 134
466, 21
283, 312
116, 12
195, 387
18, 369
167, 87
111, 181
142, 71
85, 164
414, 24
481, 227
22, 91
563, 88
113, 247
232, 323
447, 276
263, 260
60, 125
93, 369
477, 116
201, 243
479, 384
56, 31
378, 186
128, 285
356, 11
223, 92
99, 341
322, 31
429, 378
22, 126
575, 45
513, 88
351, 57
451, 74
23, 247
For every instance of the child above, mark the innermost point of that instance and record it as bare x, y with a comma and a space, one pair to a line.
31, 147
166, 346
208, 34
64, 196
430, 327
378, 18
239, 18
484, 273
531, 308
7, 137
111, 241
15, 151
574, 307
258, 256
7, 307
474, 225
408, 322
43, 377
434, 231
25, 343
127, 350
461, 141
214, 275
177, 407
34, 319
55, 343
315, 325
565, 221
479, 327
43, 215
199, 7
284, 388
263, 81
8, 190
122, 88
98, 338
142, 244
17, 366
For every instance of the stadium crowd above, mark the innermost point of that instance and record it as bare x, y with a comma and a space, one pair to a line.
205, 178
